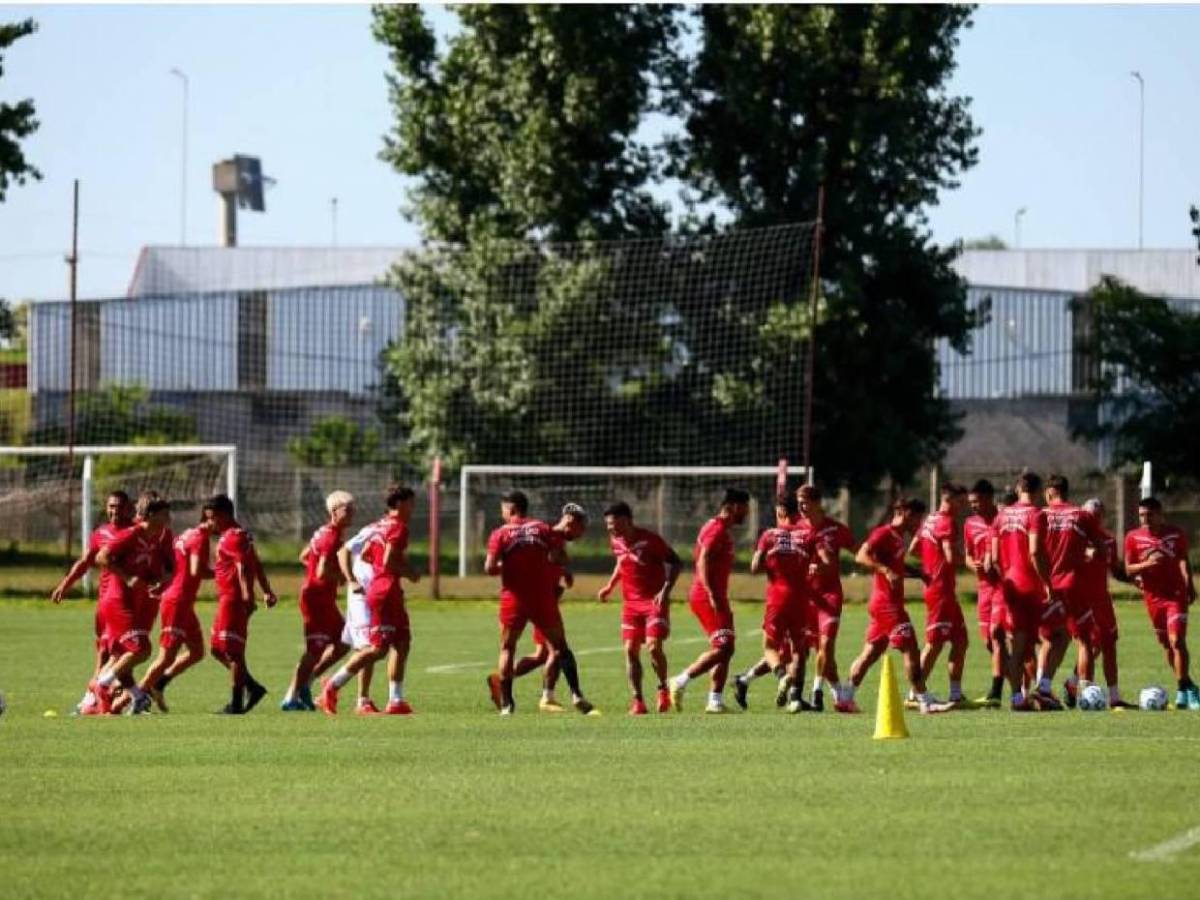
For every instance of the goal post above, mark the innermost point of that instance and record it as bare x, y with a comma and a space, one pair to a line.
605, 478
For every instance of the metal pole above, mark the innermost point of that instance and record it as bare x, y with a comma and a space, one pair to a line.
1141, 149
1017, 226
810, 361
183, 164
231, 479
73, 265
435, 517
462, 523
333, 217
86, 498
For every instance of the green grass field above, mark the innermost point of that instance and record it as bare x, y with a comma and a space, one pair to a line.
458, 802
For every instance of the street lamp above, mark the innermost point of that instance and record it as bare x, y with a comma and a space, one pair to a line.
1141, 148
1017, 226
183, 165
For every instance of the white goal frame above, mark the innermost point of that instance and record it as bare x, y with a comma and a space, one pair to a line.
464, 483
89, 452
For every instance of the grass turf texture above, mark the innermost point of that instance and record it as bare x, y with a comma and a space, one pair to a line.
458, 802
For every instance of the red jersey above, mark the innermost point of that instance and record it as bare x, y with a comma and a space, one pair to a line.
935, 531
1163, 580
138, 553
391, 532
1069, 530
185, 586
325, 543
1014, 525
788, 551
888, 546
1093, 575
235, 545
833, 537
522, 546
101, 536
716, 539
977, 536
642, 564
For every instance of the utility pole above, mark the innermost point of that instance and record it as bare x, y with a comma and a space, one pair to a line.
73, 267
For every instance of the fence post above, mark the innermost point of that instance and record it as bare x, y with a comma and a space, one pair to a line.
86, 487
435, 517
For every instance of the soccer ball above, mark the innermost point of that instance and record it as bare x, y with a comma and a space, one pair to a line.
1092, 699
1153, 699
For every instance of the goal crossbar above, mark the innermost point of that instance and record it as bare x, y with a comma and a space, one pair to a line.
595, 471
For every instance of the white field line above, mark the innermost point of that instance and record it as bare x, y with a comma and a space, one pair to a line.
590, 651
1165, 851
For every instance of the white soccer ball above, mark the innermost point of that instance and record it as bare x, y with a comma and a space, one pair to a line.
1153, 699
1092, 699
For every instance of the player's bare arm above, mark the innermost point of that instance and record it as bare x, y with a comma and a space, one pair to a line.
245, 582
756, 562
491, 565
260, 573
1038, 559
408, 570
343, 558
76, 572
609, 586
674, 568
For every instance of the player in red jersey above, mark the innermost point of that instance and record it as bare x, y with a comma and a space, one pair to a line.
323, 622
118, 513
941, 555
888, 621
978, 537
524, 553
1156, 558
236, 572
1101, 561
785, 553
1020, 535
390, 633
570, 527
180, 625
1070, 533
133, 558
647, 569
709, 600
830, 538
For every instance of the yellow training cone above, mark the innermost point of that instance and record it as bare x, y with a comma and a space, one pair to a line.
889, 713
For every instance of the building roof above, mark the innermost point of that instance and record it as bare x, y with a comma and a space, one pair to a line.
1167, 273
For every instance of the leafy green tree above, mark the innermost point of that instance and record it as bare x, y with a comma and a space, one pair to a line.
8, 321
337, 441
16, 119
780, 99
1195, 215
1144, 377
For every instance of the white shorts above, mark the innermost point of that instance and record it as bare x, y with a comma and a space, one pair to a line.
358, 617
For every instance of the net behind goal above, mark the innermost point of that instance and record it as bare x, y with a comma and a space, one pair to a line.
672, 500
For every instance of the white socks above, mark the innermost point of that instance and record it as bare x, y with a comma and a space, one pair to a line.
395, 691
681, 680
817, 683
340, 678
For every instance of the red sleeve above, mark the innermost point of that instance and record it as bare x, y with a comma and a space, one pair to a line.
875, 541
120, 542
495, 542
1037, 524
709, 537
945, 529
239, 545
659, 548
767, 541
1131, 554
329, 543
845, 538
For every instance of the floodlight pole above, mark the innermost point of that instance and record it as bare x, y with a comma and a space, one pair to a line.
1141, 148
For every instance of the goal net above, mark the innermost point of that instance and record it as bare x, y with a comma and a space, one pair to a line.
672, 500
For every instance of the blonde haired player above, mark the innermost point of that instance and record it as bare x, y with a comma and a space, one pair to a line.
357, 633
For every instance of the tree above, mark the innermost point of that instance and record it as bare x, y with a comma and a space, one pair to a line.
1144, 376
1195, 214
8, 321
337, 441
780, 99
16, 119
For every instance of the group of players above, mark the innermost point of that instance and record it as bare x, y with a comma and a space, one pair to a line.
1041, 577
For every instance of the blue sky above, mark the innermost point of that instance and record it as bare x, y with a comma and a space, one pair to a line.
302, 87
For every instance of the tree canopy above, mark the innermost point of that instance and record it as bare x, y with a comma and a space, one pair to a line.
16, 119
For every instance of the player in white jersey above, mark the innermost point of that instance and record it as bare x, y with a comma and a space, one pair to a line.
358, 573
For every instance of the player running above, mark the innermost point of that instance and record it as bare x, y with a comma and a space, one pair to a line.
523, 552
1157, 561
323, 622
390, 633
888, 621
830, 538
709, 600
941, 555
570, 527
134, 559
357, 632
235, 573
1100, 562
647, 569
978, 536
180, 626
118, 513
785, 553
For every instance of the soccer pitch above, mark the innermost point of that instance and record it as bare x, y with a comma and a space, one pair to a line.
459, 802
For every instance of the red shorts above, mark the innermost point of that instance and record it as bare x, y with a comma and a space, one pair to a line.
644, 620
1169, 617
121, 632
542, 612
146, 612
992, 612
1053, 614
717, 623
1078, 612
824, 615
323, 621
888, 621
784, 623
388, 615
1104, 621
180, 625
231, 626
1024, 608
944, 622
98, 626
